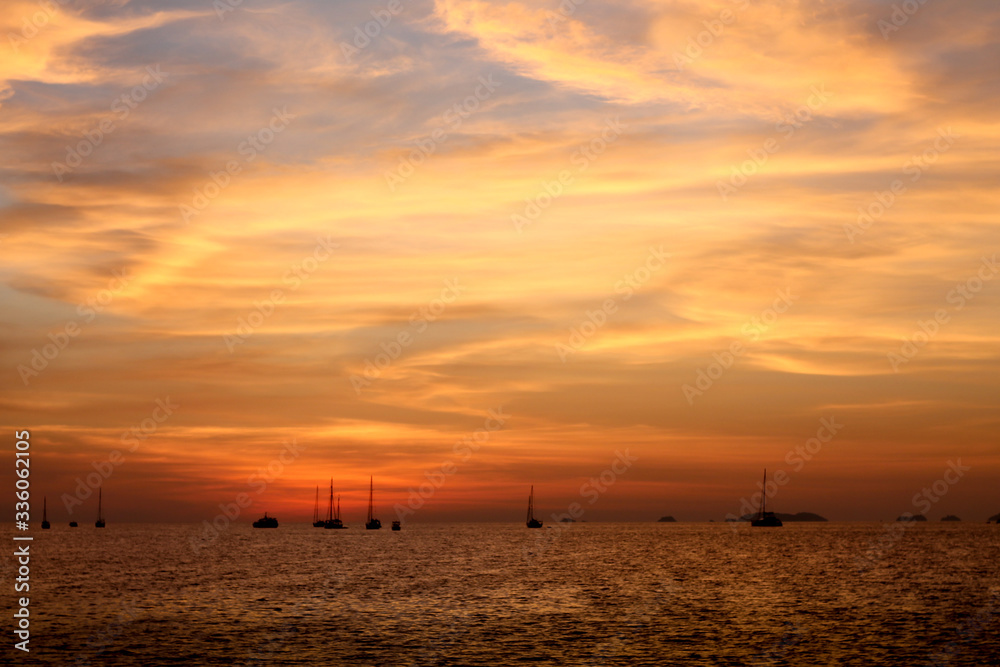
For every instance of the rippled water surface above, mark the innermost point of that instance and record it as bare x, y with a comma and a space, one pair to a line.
476, 594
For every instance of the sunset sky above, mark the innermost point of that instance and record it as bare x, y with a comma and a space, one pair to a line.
692, 231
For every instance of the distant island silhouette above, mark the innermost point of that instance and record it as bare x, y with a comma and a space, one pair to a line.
950, 517
800, 516
911, 517
666, 519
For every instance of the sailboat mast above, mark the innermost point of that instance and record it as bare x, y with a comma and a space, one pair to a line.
329, 509
371, 491
531, 498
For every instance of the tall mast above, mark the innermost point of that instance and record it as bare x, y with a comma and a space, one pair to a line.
329, 510
371, 491
531, 497
316, 508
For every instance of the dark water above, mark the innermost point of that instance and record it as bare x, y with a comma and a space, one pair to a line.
477, 594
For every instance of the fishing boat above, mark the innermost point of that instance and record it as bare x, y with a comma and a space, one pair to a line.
372, 523
73, 524
45, 518
765, 518
532, 521
266, 522
317, 523
333, 514
100, 515
396, 526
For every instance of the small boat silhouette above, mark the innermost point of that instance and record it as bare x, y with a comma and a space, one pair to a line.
396, 525
333, 513
72, 524
45, 518
532, 521
266, 522
763, 518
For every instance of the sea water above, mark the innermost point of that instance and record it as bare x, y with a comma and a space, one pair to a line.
501, 594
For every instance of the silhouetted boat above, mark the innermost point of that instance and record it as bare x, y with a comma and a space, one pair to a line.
532, 521
266, 522
333, 515
764, 518
316, 520
100, 515
73, 524
372, 523
396, 526
45, 517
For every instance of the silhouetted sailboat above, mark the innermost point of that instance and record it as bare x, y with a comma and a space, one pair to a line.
73, 524
532, 521
45, 517
266, 522
317, 523
100, 514
372, 523
333, 515
764, 518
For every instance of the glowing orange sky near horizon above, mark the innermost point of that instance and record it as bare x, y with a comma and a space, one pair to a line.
618, 230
